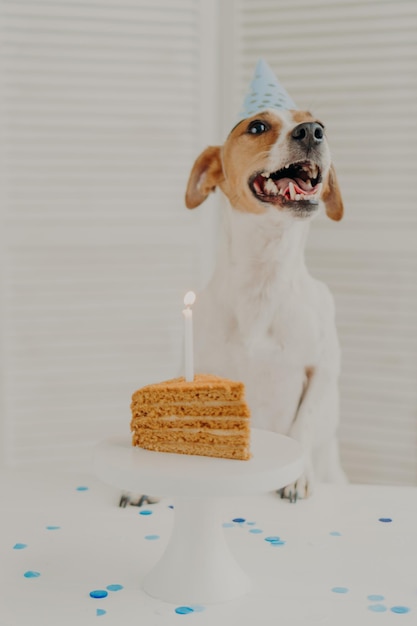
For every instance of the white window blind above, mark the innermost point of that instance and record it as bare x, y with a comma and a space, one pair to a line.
101, 106
355, 65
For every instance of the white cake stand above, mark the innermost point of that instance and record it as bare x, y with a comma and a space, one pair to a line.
197, 566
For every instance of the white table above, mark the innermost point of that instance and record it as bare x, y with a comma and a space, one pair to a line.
80, 541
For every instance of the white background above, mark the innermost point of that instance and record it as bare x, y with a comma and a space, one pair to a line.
104, 106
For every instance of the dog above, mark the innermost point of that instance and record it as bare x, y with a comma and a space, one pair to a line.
263, 319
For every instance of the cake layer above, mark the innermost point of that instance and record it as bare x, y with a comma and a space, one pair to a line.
203, 388
191, 436
196, 408
238, 452
172, 421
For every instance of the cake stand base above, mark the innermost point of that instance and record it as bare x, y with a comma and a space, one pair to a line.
197, 566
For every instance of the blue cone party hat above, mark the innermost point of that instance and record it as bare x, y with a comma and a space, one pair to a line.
265, 92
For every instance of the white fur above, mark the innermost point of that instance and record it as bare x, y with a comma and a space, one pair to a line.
264, 320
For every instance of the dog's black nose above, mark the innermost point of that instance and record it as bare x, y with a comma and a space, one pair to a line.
309, 133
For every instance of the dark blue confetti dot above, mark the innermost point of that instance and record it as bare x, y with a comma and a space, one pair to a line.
400, 609
98, 593
20, 546
239, 520
375, 597
31, 574
184, 610
100, 612
386, 520
170, 506
340, 590
82, 488
145, 512
377, 608
114, 587
152, 537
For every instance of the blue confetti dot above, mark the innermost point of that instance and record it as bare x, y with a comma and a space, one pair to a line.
184, 610
277, 543
101, 612
170, 506
98, 593
335, 533
385, 520
31, 574
251, 523
239, 520
375, 597
256, 531
114, 587
53, 527
272, 539
340, 589
377, 608
145, 512
82, 488
152, 537
20, 546
400, 609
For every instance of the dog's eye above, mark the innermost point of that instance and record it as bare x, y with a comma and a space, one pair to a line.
257, 127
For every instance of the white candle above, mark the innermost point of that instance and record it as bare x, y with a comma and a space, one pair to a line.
189, 300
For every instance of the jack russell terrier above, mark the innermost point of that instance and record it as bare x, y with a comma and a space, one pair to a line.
263, 319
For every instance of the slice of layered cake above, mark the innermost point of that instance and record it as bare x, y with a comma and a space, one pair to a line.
207, 417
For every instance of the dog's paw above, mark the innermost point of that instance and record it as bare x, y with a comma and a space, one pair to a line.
300, 489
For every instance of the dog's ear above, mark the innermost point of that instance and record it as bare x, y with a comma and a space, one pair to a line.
206, 174
332, 197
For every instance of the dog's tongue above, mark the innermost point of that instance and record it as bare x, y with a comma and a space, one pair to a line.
300, 185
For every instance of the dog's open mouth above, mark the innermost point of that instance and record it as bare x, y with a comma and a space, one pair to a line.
300, 181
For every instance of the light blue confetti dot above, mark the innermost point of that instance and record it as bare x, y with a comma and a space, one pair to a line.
375, 597
98, 593
100, 612
239, 520
20, 546
400, 609
53, 527
377, 608
145, 512
272, 539
335, 533
251, 523
114, 587
31, 574
184, 610
256, 531
340, 589
277, 543
152, 537
228, 525
82, 488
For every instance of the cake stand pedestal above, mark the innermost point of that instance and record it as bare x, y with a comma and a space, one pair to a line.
197, 565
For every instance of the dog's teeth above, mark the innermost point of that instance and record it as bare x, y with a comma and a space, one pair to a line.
270, 187
298, 196
265, 174
292, 190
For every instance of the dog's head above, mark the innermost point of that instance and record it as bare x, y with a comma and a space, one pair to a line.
275, 160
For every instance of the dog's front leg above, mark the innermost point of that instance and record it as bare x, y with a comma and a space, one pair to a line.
314, 427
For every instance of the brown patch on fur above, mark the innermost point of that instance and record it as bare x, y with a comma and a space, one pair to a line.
206, 175
332, 197
302, 116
